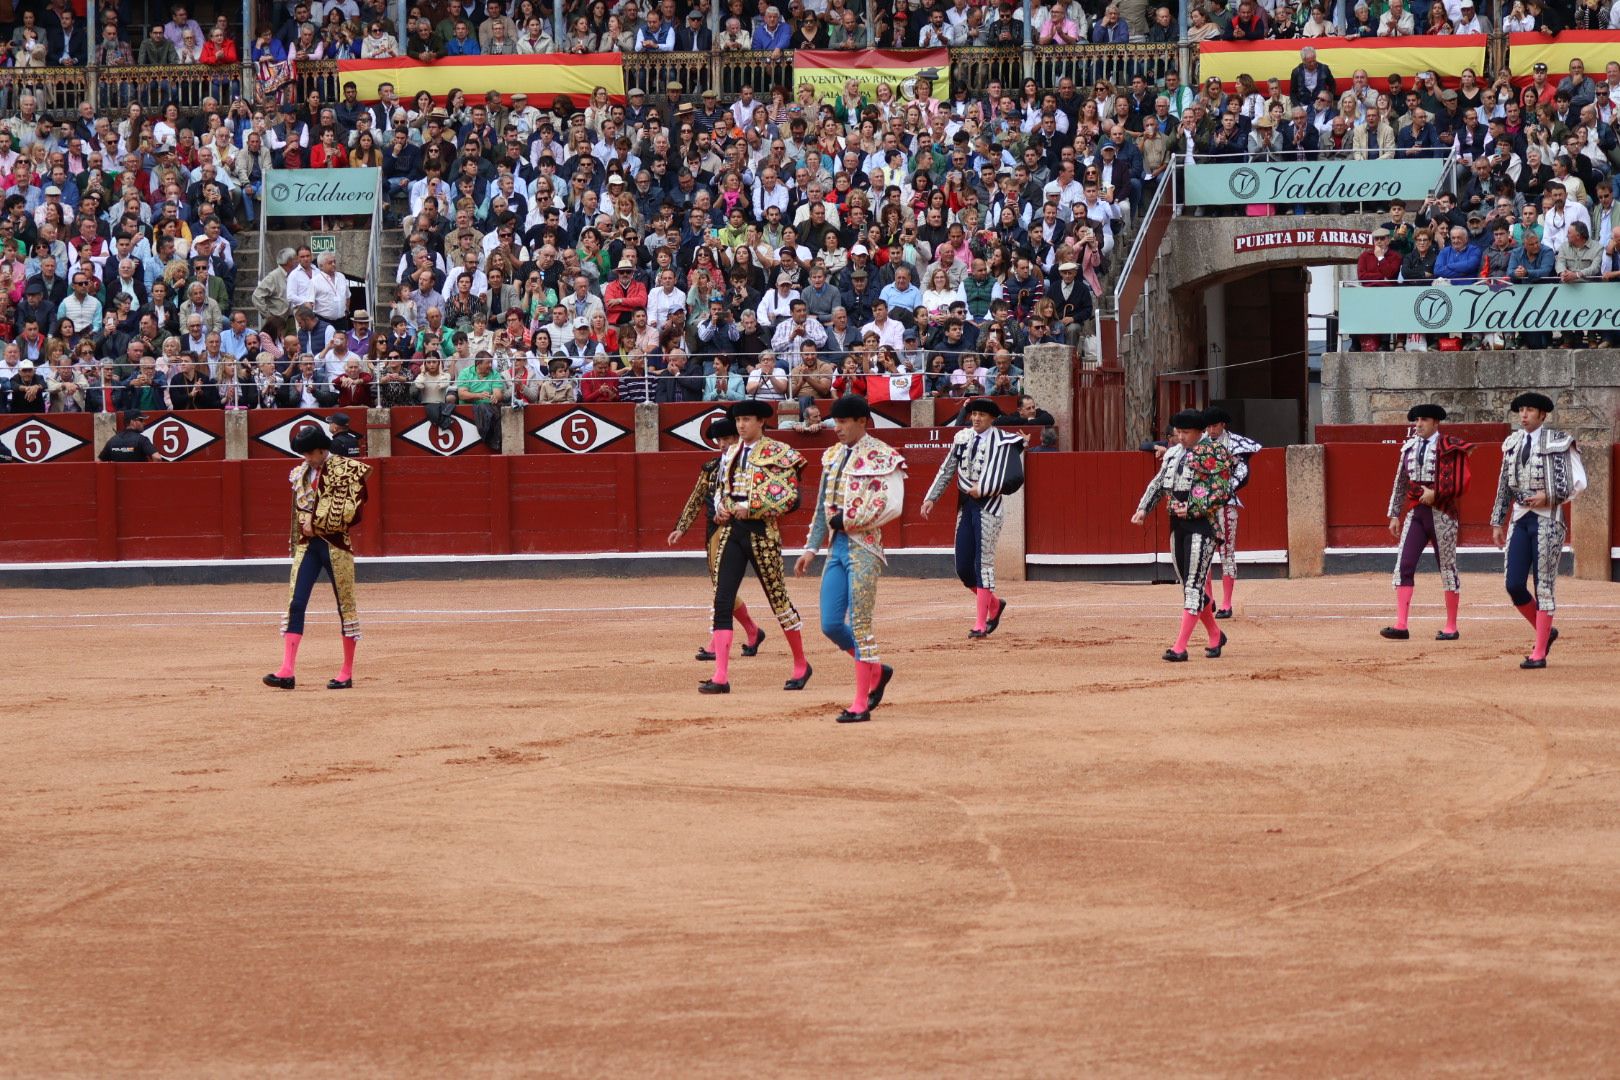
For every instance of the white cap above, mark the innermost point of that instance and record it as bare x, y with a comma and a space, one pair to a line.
859, 249
1052, 188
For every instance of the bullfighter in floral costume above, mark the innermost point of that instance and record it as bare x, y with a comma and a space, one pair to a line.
757, 482
862, 488
1431, 476
328, 492
701, 501
1541, 471
1196, 478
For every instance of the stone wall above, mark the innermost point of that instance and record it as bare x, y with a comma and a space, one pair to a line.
1198, 252
1378, 388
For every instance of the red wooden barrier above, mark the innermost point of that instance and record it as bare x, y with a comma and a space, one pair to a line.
59, 437
579, 429
1081, 503
270, 429
1263, 525
50, 513
1360, 477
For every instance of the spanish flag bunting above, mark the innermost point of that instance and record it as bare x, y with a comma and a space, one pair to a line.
1595, 48
1444, 55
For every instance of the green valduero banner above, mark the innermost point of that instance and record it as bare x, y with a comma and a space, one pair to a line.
1211, 184
309, 192
1479, 309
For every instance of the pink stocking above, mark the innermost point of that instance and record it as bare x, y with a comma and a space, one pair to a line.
1207, 617
346, 672
1543, 634
289, 655
1228, 583
1529, 610
795, 642
1189, 619
720, 645
863, 686
1403, 605
1452, 600
986, 604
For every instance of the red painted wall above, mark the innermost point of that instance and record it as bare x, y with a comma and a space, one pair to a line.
1361, 475
1396, 433
1081, 503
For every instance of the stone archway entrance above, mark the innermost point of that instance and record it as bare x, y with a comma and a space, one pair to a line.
1225, 319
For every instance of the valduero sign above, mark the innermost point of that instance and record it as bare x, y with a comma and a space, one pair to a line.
1479, 309
1212, 184
310, 192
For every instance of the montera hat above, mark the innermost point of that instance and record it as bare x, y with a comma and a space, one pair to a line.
750, 407
984, 405
1189, 420
1427, 411
1532, 400
850, 407
722, 428
310, 437
1216, 416
341, 419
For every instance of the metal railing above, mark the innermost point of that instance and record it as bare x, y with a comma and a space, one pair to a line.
1089, 64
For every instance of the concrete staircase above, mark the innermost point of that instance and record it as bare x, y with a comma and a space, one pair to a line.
385, 276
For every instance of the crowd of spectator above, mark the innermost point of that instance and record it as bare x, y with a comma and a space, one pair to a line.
681, 246
676, 249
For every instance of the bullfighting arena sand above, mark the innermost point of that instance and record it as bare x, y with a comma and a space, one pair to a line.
525, 846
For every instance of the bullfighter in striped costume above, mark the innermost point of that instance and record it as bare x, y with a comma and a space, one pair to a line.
328, 492
1541, 471
1242, 448
1196, 479
701, 501
988, 464
756, 482
862, 488
1430, 477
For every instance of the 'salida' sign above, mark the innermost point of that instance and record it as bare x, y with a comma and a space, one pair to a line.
310, 192
1479, 309
1212, 184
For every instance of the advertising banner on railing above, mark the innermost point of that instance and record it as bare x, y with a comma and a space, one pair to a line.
580, 429
1444, 55
542, 76
828, 70
314, 192
1479, 309
1211, 184
1593, 47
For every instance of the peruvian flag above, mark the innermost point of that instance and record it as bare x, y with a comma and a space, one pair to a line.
894, 387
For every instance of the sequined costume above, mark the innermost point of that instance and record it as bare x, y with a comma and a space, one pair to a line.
992, 462
862, 487
755, 485
1241, 447
1544, 461
330, 500
1199, 481
1439, 462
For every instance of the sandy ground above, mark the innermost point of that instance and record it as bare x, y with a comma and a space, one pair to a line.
525, 846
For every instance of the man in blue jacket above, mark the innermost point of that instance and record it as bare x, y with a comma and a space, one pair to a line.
1459, 261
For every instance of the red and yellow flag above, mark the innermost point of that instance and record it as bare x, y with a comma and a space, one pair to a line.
543, 77
827, 71
1594, 47
1444, 55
